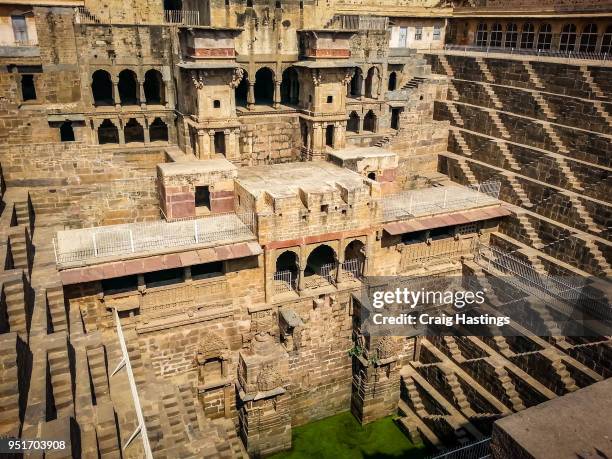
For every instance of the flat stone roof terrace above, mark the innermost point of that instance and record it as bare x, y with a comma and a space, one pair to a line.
288, 178
87, 246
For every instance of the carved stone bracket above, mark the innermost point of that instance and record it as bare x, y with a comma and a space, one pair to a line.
316, 77
236, 77
198, 79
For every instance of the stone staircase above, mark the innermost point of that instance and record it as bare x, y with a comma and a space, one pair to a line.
602, 111
9, 389
533, 76
98, 373
547, 319
458, 395
564, 375
518, 190
586, 74
18, 240
598, 256
569, 173
23, 213
170, 404
509, 389
499, 124
446, 66
583, 213
61, 379
57, 308
106, 432
415, 397
189, 400
14, 298
541, 101
465, 148
467, 172
529, 230
414, 83
561, 148
508, 156
453, 91
491, 93
484, 68
455, 114
453, 349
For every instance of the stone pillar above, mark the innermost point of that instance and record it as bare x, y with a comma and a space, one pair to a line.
168, 94
277, 94
340, 260
211, 150
360, 127
317, 139
116, 98
203, 144
121, 132
143, 98
251, 95
147, 134
231, 145
226, 139
363, 86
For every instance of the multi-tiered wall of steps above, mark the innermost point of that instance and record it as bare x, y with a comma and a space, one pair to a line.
544, 130
56, 380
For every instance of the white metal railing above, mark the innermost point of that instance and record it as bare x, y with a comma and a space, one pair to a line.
435, 200
525, 277
352, 269
182, 17
284, 281
141, 428
85, 244
569, 55
443, 250
478, 450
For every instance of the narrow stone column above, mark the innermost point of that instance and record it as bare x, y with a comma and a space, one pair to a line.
339, 261
116, 98
121, 132
143, 98
362, 90
168, 94
226, 139
277, 94
251, 95
211, 151
202, 149
147, 133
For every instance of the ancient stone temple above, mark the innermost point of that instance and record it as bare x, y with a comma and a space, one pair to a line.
193, 195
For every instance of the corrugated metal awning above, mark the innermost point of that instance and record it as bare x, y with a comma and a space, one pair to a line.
439, 221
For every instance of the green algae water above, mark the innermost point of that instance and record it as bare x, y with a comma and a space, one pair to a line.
341, 436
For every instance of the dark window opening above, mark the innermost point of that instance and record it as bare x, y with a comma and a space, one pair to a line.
216, 103
28, 90
120, 285
220, 142
249, 3
369, 122
158, 130
264, 86
290, 87
319, 261
395, 118
173, 5
442, 233
288, 261
528, 36
66, 132
355, 86
392, 81
242, 91
413, 238
568, 38
207, 270
606, 42
325, 208
102, 88
352, 124
496, 35
154, 87
372, 175
128, 87
277, 4
588, 39
330, 99
165, 277
481, 35
545, 36
202, 196
133, 131
329, 135
371, 83
108, 133
511, 36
